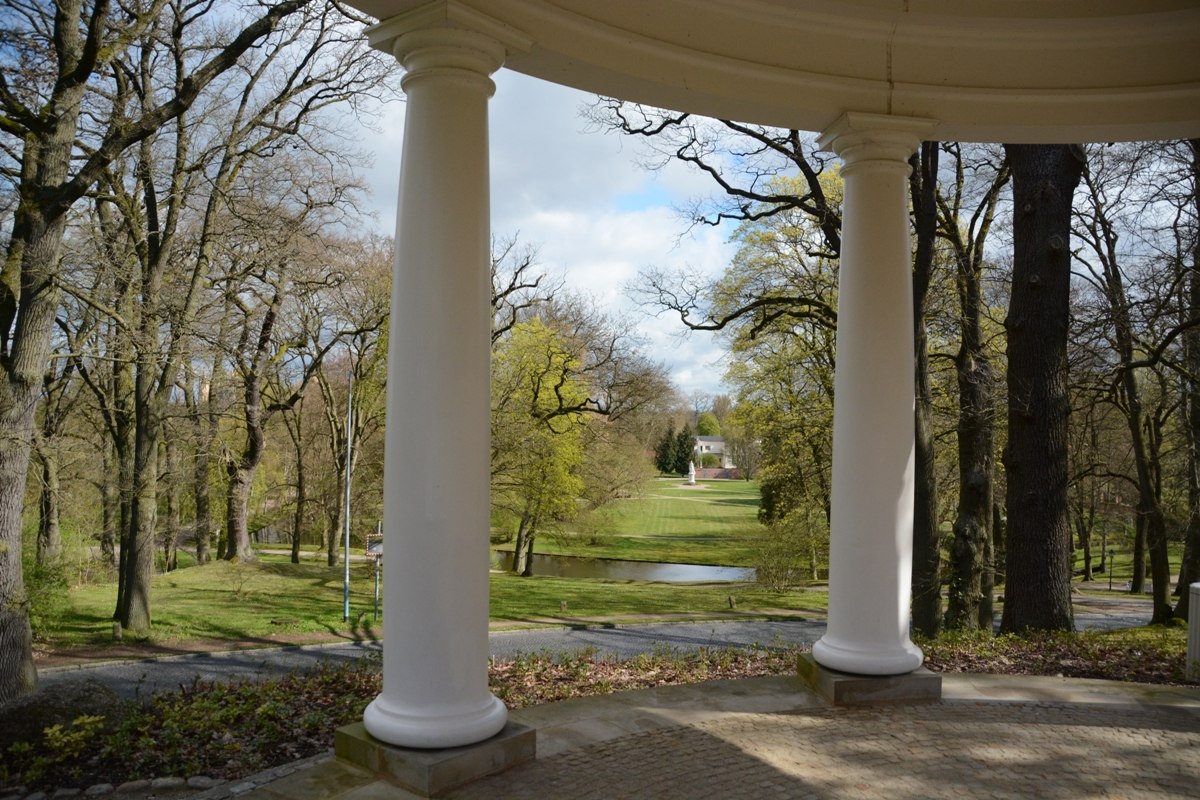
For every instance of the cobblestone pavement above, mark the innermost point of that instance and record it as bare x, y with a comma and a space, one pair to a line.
991, 736
949, 750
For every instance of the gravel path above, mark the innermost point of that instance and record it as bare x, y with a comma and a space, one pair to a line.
132, 679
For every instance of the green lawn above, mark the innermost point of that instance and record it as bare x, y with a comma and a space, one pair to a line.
273, 601
514, 598
712, 522
1122, 566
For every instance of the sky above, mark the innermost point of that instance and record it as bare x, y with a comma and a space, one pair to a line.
595, 216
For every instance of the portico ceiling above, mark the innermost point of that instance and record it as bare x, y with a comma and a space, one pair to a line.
984, 70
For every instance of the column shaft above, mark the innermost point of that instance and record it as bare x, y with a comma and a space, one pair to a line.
873, 445
436, 469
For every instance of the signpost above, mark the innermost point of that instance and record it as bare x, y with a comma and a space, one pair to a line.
375, 550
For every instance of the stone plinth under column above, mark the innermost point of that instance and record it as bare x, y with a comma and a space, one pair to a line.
430, 773
844, 689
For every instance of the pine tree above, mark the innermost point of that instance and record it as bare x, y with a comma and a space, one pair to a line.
664, 451
685, 444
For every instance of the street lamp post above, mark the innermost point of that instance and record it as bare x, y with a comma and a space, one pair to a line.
346, 499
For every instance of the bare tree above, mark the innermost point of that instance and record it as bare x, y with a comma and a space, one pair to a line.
54, 57
1188, 219
967, 209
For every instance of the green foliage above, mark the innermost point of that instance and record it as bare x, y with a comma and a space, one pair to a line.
614, 465
793, 550
537, 425
781, 363
707, 425
220, 730
710, 460
59, 751
664, 451
47, 587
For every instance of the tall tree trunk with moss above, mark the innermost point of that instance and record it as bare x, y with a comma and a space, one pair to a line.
1189, 571
49, 536
966, 228
28, 303
1038, 573
926, 562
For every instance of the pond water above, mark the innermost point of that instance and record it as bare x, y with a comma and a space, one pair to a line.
615, 569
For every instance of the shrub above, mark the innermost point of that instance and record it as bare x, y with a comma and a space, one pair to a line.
791, 552
46, 586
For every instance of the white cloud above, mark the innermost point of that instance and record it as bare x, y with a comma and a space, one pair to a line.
581, 198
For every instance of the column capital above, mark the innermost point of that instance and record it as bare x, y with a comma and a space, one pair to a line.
856, 136
447, 34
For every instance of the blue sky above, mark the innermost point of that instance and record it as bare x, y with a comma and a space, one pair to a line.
594, 214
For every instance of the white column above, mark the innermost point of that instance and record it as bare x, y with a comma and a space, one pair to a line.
870, 557
436, 469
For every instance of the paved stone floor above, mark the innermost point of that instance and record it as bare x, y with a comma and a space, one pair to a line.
990, 737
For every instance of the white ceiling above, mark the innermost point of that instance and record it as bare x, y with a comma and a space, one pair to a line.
984, 70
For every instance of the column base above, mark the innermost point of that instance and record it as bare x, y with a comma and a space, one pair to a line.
842, 689
429, 773
402, 729
899, 660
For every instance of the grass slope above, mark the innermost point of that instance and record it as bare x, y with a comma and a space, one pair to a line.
713, 522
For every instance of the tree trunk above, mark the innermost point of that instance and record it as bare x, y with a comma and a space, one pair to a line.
295, 426
49, 538
926, 563
1085, 544
518, 557
237, 514
124, 445
204, 428
1137, 583
301, 501
19, 389
999, 545
139, 561
28, 304
17, 673
987, 584
1038, 571
972, 576
110, 500
203, 525
171, 534
1151, 523
1189, 570
331, 533
973, 523
530, 535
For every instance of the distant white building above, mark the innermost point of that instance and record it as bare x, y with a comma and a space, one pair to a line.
713, 445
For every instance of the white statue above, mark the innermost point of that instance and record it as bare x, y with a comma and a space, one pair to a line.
691, 473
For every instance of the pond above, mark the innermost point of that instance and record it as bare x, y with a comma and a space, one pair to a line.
616, 569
